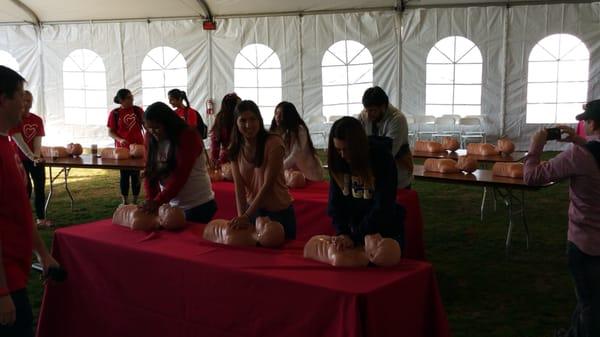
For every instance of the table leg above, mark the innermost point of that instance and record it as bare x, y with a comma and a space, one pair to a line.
524, 218
67, 171
51, 190
483, 202
510, 201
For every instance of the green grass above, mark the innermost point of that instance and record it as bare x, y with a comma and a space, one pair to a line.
485, 292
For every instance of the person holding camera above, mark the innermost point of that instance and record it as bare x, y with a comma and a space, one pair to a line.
580, 163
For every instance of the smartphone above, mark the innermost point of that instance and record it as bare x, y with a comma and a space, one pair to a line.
553, 134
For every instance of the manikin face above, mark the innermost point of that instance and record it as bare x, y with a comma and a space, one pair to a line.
11, 108
374, 113
341, 148
157, 130
248, 124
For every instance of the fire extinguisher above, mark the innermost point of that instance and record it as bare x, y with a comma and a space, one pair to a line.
209, 107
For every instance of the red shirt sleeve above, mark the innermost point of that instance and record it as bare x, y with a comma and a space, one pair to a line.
192, 117
189, 148
41, 131
214, 145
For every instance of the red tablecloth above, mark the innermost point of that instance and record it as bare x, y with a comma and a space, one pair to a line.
310, 205
131, 284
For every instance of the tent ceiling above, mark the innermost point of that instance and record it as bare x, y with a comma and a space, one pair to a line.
83, 10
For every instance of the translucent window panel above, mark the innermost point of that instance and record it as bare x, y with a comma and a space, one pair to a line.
267, 112
467, 94
151, 95
472, 56
245, 78
95, 80
95, 99
7, 60
436, 56
541, 113
552, 45
468, 74
334, 75
153, 78
364, 57
467, 110
267, 96
150, 63
264, 53
331, 60
572, 92
96, 65
565, 113
335, 110
96, 116
176, 78
571, 47
356, 92
579, 53
540, 54
541, 92
438, 110
439, 94
573, 70
355, 109
70, 65
542, 71
74, 98
247, 93
463, 47
335, 94
269, 78
241, 62
339, 50
360, 73
353, 49
73, 80
75, 116
440, 73
446, 47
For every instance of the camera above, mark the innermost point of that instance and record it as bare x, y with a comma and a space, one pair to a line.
553, 134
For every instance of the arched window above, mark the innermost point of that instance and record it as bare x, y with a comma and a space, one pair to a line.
257, 77
163, 69
557, 80
9, 61
347, 71
84, 84
453, 78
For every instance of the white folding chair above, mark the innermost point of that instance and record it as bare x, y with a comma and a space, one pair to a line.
471, 128
445, 126
424, 126
412, 131
320, 128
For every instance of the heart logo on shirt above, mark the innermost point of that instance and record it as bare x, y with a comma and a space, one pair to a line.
29, 131
129, 121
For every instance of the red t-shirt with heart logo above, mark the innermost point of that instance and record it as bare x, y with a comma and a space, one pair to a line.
31, 126
127, 124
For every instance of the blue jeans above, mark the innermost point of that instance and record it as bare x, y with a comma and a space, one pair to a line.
202, 213
585, 270
286, 217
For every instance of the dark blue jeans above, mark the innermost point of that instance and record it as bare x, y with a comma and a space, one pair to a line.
585, 270
23, 326
285, 217
202, 213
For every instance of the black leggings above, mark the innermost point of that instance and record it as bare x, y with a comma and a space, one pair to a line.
23, 326
38, 175
135, 182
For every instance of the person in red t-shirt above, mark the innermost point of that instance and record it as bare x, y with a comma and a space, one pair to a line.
125, 125
27, 140
176, 99
18, 235
220, 134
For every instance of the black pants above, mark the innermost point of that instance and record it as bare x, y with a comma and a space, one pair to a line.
286, 217
585, 270
23, 326
202, 213
126, 175
38, 175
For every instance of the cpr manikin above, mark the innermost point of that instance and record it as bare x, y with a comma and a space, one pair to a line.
467, 164
427, 146
380, 251
511, 170
450, 144
264, 232
440, 166
137, 151
112, 153
131, 216
481, 149
222, 173
54, 152
74, 149
505, 146
295, 179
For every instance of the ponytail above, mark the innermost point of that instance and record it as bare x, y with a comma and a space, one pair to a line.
185, 99
179, 95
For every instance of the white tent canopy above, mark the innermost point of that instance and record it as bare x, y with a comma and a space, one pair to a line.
81, 53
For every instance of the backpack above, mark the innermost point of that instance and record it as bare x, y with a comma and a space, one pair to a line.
200, 126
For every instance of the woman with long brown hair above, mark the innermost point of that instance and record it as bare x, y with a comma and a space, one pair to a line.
362, 188
220, 134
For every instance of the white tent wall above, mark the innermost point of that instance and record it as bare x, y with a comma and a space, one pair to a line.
422, 28
528, 25
281, 34
378, 31
122, 47
21, 42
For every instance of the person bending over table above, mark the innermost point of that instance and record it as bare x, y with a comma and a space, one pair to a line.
125, 127
580, 163
362, 188
300, 153
257, 166
27, 140
176, 168
18, 234
220, 134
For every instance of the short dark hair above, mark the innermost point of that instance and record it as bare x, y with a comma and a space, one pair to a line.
121, 95
9, 81
375, 96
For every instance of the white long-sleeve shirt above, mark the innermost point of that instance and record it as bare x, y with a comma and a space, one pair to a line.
299, 156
